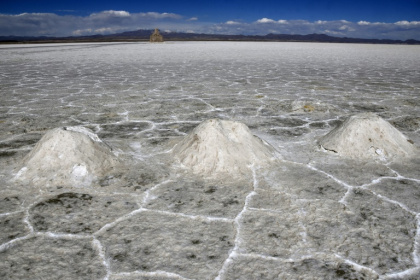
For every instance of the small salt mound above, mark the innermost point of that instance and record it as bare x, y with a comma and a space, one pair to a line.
310, 106
217, 148
367, 136
71, 156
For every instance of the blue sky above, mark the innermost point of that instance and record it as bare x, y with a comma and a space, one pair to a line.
397, 19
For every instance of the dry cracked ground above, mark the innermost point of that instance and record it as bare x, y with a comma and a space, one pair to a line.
310, 215
294, 222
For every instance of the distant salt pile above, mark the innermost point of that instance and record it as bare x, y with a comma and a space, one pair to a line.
310, 106
367, 136
217, 147
156, 36
72, 156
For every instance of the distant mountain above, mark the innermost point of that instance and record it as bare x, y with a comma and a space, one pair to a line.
144, 35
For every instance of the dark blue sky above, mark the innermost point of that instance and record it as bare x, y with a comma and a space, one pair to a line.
223, 10
216, 16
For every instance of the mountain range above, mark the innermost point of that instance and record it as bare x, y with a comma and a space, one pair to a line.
144, 35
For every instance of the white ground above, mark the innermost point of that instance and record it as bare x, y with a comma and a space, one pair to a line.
312, 214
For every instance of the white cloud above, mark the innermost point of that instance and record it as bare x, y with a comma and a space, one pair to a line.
407, 23
269, 20
90, 31
106, 30
81, 32
105, 22
266, 20
362, 22
159, 15
232, 22
340, 28
346, 28
117, 13
333, 33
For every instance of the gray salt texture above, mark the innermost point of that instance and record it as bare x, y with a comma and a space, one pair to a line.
201, 160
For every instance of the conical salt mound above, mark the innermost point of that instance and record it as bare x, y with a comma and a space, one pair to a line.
217, 148
367, 136
71, 156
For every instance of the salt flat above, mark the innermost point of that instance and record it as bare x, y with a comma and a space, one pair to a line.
312, 214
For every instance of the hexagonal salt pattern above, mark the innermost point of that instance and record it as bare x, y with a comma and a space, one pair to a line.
145, 276
77, 213
12, 227
318, 268
51, 257
193, 247
311, 215
405, 191
10, 203
199, 198
381, 229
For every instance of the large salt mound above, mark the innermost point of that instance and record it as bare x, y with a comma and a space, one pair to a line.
217, 148
367, 136
72, 156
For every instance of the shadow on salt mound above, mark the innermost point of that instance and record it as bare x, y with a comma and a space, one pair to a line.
216, 148
69, 156
367, 136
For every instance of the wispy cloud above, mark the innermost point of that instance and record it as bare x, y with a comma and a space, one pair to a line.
342, 28
266, 20
106, 22
232, 22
